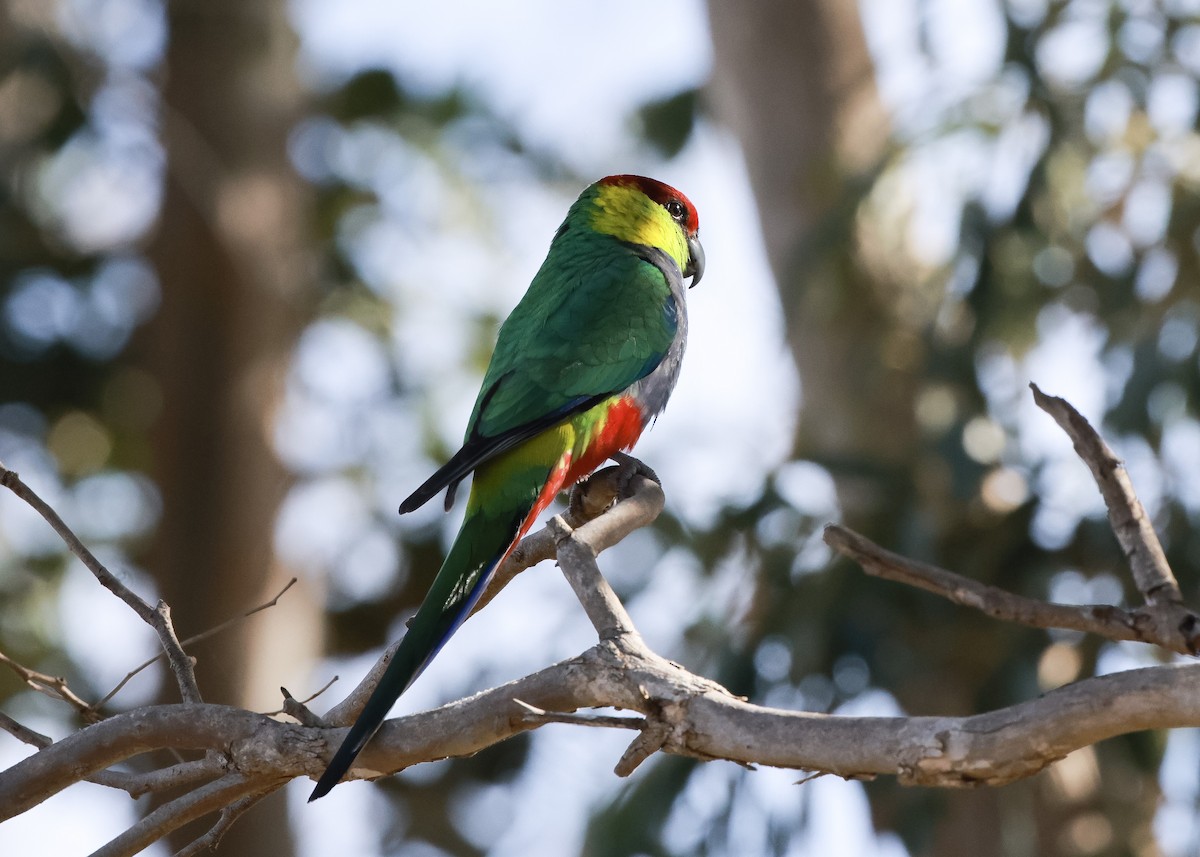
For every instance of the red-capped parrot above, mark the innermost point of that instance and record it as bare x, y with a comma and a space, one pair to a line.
585, 361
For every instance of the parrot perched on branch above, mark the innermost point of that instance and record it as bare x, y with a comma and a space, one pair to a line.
585, 361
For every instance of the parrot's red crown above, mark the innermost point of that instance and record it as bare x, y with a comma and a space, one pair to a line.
660, 193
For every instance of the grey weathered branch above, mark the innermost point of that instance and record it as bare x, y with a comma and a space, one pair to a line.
1164, 612
249, 755
707, 723
165, 819
176, 776
1104, 620
1163, 621
231, 813
53, 686
196, 638
1130, 523
157, 618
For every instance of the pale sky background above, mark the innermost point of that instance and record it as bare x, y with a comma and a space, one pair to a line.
573, 96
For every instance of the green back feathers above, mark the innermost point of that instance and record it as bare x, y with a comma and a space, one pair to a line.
594, 321
601, 314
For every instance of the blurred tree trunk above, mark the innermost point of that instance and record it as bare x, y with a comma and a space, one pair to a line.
796, 83
231, 254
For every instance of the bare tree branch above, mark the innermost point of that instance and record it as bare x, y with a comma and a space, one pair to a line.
176, 776
994, 748
1129, 520
196, 638
158, 619
53, 686
210, 840
10, 480
1164, 621
708, 723
250, 755
578, 560
1104, 620
183, 665
178, 812
115, 739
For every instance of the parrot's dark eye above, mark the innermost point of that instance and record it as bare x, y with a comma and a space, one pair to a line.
676, 210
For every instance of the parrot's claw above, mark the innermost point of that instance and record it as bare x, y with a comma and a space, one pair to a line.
605, 488
585, 502
631, 467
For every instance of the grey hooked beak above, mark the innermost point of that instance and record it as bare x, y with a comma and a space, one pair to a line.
695, 265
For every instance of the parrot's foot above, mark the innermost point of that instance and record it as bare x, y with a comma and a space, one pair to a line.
605, 488
629, 467
591, 497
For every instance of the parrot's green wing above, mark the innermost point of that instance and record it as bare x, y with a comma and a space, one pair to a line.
582, 333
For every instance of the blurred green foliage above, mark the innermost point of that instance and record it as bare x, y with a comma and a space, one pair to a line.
1106, 227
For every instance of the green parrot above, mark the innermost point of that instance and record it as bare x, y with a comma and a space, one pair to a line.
585, 361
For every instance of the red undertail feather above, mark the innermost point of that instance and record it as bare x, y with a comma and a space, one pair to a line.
554, 484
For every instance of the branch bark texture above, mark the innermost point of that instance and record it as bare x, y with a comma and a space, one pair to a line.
248, 756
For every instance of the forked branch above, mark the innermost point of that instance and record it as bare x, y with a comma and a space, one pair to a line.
1162, 621
250, 755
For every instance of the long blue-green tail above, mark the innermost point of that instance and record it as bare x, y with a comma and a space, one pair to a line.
478, 549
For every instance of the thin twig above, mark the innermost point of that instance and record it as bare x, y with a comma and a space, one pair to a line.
533, 714
1128, 517
210, 840
53, 686
810, 776
182, 664
10, 480
229, 623
1104, 620
1132, 527
178, 812
196, 638
23, 733
158, 619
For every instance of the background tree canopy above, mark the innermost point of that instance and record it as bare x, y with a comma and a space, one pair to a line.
252, 260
